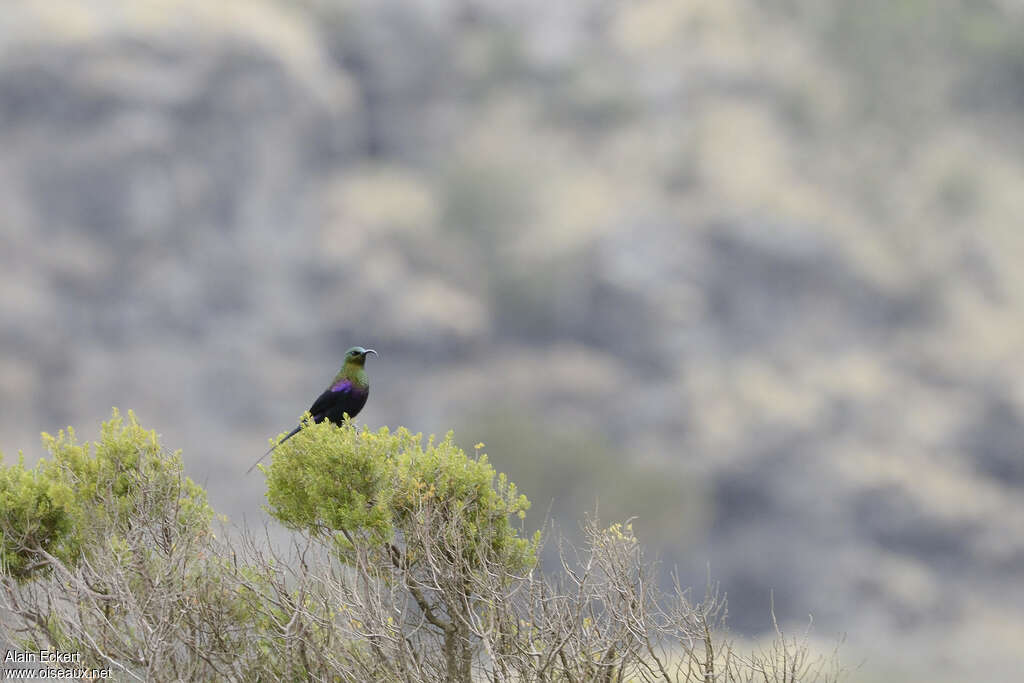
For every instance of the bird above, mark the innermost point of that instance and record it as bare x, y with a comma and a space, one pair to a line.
346, 394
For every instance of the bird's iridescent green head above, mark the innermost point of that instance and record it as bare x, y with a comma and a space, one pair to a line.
357, 355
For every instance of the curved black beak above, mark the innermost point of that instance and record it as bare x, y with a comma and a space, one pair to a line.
368, 352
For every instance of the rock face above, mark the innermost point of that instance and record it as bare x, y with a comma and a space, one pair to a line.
747, 270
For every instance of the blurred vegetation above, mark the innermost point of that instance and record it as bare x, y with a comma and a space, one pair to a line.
969, 51
571, 474
786, 226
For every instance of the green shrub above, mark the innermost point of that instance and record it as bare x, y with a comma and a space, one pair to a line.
331, 478
64, 505
407, 563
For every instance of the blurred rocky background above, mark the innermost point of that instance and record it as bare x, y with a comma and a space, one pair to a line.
752, 272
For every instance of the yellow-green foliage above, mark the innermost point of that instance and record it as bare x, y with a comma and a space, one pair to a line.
60, 505
34, 510
333, 479
107, 550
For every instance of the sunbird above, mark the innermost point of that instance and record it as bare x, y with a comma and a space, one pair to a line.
346, 394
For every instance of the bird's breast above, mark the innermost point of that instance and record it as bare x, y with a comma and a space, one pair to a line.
342, 385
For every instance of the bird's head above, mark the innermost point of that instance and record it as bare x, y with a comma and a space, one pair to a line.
357, 355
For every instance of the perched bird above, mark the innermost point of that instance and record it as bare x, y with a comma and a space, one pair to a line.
346, 394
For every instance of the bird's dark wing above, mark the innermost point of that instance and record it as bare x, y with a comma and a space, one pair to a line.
339, 398
324, 402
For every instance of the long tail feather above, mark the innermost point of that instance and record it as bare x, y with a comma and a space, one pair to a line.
271, 450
